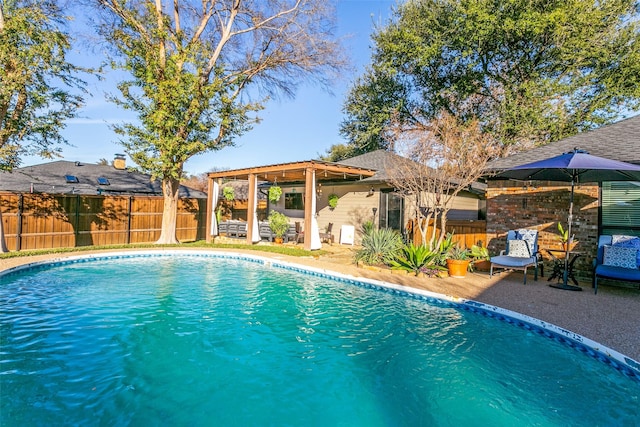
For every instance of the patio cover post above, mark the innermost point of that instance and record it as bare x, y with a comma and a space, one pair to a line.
210, 210
251, 206
308, 208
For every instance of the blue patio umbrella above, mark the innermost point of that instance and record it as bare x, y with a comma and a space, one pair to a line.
576, 166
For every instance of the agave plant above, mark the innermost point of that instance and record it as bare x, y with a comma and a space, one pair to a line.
417, 259
380, 247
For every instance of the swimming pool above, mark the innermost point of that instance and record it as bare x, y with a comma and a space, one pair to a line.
196, 338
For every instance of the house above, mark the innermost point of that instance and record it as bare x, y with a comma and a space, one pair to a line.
66, 177
607, 208
360, 185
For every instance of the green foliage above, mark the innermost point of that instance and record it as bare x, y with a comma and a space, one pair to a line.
479, 253
278, 223
228, 193
367, 227
564, 234
33, 51
275, 192
338, 152
417, 259
380, 247
457, 252
532, 72
371, 103
333, 200
199, 75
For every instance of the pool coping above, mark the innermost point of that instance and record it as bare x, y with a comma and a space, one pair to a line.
626, 365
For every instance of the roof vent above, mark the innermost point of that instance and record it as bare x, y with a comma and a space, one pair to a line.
119, 162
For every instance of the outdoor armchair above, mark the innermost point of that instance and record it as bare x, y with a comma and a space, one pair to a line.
521, 253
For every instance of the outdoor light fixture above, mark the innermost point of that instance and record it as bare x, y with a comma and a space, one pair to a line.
371, 191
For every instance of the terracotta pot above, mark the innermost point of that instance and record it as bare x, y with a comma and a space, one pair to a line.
482, 265
457, 267
278, 240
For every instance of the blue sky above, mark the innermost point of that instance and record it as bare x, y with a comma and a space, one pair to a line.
291, 129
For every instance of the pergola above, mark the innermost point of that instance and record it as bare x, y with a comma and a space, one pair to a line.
307, 172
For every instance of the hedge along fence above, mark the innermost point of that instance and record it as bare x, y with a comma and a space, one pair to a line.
44, 221
465, 232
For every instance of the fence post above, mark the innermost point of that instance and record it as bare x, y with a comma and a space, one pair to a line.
19, 224
129, 220
77, 219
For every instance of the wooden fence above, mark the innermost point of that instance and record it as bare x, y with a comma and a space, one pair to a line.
465, 232
42, 221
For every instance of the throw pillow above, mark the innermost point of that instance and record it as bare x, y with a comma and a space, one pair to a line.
529, 236
519, 248
627, 242
618, 256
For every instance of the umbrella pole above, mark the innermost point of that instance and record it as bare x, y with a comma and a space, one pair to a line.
565, 276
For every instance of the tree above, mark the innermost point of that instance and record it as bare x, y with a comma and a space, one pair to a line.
533, 71
451, 156
36, 82
195, 68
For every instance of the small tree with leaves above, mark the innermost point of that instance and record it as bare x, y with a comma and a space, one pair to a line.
201, 70
37, 83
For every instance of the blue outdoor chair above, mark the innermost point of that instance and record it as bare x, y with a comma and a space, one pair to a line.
521, 253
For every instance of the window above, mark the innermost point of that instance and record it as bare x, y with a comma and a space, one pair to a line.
103, 181
293, 201
621, 208
71, 179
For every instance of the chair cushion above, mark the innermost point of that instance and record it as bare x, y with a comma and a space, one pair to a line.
619, 256
618, 273
519, 249
511, 261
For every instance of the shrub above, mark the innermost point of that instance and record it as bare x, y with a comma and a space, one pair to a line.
228, 193
278, 223
418, 259
457, 252
367, 227
333, 200
380, 247
479, 253
274, 193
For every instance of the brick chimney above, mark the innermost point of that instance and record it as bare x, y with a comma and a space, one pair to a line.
119, 162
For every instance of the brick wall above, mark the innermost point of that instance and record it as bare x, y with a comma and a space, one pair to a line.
541, 207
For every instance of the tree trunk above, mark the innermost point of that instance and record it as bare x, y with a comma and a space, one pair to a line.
3, 245
170, 189
423, 224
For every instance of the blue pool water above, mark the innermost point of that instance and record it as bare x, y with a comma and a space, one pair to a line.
200, 340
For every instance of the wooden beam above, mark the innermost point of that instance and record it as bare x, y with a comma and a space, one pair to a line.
308, 194
251, 206
210, 210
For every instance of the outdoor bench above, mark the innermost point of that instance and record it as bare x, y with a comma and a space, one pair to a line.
614, 266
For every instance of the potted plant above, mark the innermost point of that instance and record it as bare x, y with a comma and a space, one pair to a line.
458, 262
279, 224
228, 193
480, 257
564, 238
333, 200
274, 193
